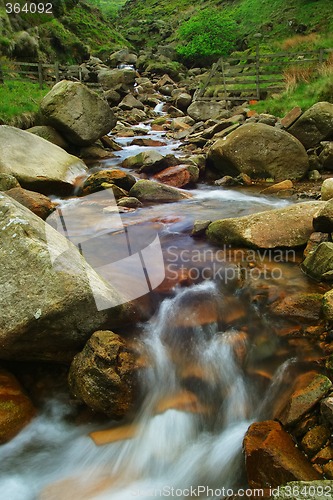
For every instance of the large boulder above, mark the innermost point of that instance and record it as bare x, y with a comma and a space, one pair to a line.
272, 457
152, 191
115, 78
36, 163
49, 293
283, 227
103, 375
315, 125
327, 189
16, 409
259, 151
80, 114
205, 110
319, 263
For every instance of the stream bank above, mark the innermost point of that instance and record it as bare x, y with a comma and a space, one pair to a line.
228, 324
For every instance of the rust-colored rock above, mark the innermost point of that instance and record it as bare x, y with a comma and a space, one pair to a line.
291, 117
16, 409
300, 306
309, 389
323, 456
148, 143
280, 186
38, 203
177, 176
272, 458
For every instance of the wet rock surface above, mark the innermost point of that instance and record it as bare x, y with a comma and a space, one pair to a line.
272, 458
103, 375
283, 227
16, 409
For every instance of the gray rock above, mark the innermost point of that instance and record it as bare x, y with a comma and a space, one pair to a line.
315, 125
327, 189
319, 263
129, 102
326, 156
146, 158
36, 163
323, 220
110, 79
259, 151
284, 227
204, 110
49, 134
152, 191
47, 311
80, 114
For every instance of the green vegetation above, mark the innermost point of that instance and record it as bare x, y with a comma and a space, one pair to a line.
206, 36
151, 23
19, 97
110, 8
69, 34
304, 92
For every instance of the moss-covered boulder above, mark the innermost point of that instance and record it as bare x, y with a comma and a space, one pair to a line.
80, 114
315, 125
151, 191
259, 151
319, 263
283, 227
51, 299
103, 374
36, 163
114, 176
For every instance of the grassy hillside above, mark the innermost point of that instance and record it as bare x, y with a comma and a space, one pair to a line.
110, 8
69, 34
149, 22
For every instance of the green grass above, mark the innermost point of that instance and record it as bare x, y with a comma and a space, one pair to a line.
304, 95
17, 97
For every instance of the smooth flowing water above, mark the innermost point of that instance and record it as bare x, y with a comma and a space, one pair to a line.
214, 365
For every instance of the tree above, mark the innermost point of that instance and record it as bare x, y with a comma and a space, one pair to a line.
206, 36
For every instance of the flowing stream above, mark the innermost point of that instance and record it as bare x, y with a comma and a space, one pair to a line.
215, 366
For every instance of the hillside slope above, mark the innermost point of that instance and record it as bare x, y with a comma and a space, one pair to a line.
73, 31
147, 23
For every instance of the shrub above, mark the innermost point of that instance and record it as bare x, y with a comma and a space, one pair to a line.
206, 36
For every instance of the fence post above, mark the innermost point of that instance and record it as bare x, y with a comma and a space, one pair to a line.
2, 80
321, 56
40, 74
257, 70
56, 70
80, 74
224, 83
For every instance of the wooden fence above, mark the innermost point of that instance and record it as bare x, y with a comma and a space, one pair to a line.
234, 79
254, 77
42, 73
